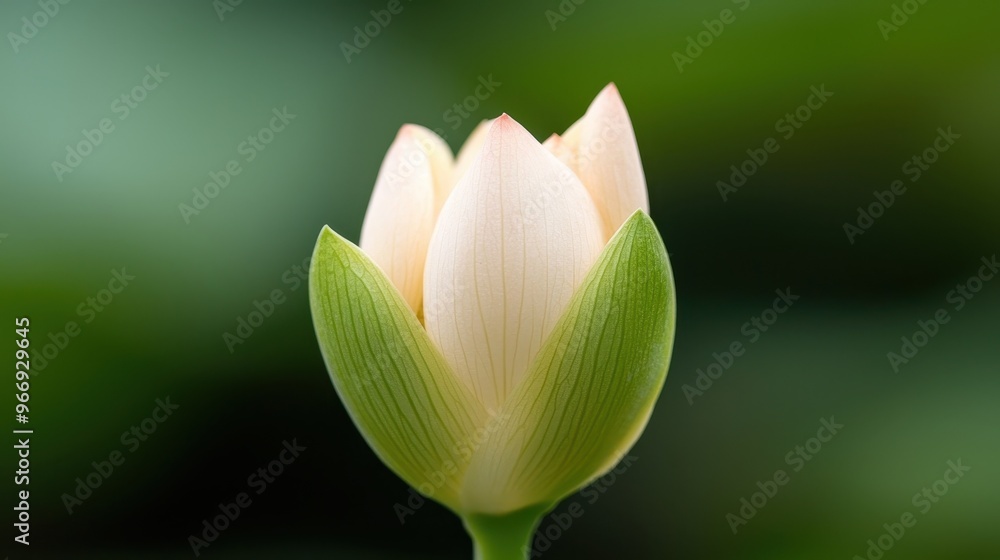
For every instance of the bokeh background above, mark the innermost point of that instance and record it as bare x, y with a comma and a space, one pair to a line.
162, 336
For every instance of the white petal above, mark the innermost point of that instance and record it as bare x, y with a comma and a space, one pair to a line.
473, 145
513, 242
411, 186
558, 147
606, 158
442, 163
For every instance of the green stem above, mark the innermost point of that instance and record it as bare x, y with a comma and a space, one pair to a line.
504, 537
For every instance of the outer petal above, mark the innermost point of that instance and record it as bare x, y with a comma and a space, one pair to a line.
514, 240
417, 417
590, 392
412, 183
473, 145
606, 158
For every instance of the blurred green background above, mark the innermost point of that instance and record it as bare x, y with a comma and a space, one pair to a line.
196, 276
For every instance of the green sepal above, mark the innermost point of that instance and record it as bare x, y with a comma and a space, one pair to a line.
399, 391
590, 392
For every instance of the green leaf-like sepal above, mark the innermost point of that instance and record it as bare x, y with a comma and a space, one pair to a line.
590, 392
402, 395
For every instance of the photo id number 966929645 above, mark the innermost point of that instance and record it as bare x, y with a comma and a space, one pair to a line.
22, 385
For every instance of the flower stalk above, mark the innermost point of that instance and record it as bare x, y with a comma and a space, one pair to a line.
504, 537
